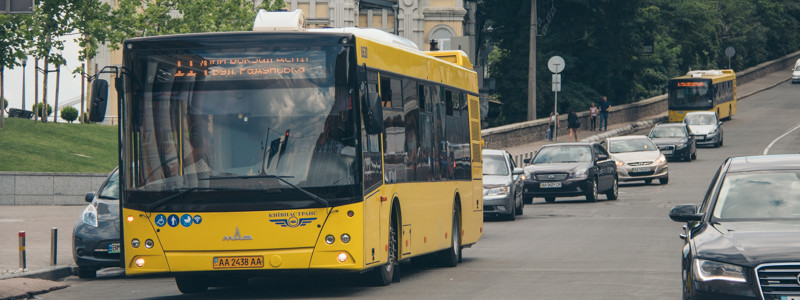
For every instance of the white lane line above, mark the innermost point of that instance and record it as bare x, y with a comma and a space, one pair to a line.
766, 150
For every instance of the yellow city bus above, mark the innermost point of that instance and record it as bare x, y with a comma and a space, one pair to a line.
707, 90
331, 150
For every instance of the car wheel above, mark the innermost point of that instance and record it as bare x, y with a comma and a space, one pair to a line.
549, 199
648, 181
451, 256
527, 199
513, 214
86, 272
520, 208
384, 275
720, 141
191, 284
664, 180
592, 194
613, 194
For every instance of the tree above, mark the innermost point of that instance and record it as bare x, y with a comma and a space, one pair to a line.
69, 114
12, 47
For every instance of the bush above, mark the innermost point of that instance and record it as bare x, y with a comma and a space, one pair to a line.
37, 109
5, 103
69, 114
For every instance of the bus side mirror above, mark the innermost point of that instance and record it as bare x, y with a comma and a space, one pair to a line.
373, 114
98, 104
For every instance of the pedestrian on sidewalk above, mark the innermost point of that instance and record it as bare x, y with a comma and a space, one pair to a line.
604, 107
593, 116
573, 125
551, 129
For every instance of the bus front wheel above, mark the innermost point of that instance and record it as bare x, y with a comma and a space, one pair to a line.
386, 274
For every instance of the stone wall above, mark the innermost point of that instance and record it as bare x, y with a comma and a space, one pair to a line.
536, 130
23, 188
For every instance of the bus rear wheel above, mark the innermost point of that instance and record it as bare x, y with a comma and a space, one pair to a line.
451, 256
191, 284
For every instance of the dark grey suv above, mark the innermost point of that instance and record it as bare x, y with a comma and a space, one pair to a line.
95, 238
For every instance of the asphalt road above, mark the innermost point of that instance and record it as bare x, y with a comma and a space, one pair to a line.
571, 249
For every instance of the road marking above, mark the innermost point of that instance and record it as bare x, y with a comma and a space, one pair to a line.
766, 150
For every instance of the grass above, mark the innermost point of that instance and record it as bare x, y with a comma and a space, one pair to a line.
26, 146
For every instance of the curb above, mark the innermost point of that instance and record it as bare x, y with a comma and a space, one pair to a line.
764, 89
625, 130
49, 273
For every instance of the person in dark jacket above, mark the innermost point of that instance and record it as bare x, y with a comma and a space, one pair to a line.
573, 125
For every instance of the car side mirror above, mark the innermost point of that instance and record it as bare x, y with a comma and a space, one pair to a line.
89, 197
527, 160
517, 171
685, 213
719, 123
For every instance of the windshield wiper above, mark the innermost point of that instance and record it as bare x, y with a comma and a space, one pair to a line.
161, 202
316, 198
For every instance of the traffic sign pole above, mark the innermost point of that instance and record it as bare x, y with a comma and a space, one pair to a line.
556, 65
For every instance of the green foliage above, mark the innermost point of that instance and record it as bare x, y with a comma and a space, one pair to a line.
13, 39
38, 110
601, 42
69, 114
5, 103
58, 147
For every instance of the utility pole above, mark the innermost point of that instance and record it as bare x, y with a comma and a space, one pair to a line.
532, 64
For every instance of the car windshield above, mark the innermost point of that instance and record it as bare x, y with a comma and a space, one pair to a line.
563, 154
111, 189
631, 145
494, 165
700, 120
667, 132
759, 195
797, 68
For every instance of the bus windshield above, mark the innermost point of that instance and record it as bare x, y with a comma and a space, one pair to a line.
690, 95
236, 119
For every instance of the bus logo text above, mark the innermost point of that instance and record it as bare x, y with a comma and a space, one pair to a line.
292, 220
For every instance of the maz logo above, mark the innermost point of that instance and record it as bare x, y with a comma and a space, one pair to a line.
237, 237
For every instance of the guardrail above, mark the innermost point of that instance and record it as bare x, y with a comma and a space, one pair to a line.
535, 130
25, 188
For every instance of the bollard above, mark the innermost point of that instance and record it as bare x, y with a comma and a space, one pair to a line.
22, 262
53, 246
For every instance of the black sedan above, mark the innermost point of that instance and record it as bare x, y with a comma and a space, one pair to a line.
743, 241
569, 170
95, 238
675, 140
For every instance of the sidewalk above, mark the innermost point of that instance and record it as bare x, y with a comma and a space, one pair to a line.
520, 152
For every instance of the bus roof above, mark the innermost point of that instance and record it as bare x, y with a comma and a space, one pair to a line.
714, 75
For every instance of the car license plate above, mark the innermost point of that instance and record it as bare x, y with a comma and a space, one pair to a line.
790, 297
113, 248
641, 170
546, 185
234, 262
666, 152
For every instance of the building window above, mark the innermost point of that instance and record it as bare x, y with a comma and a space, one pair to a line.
442, 36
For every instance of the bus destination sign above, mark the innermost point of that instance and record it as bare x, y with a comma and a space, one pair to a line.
250, 68
691, 84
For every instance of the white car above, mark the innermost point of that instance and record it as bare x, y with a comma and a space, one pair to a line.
637, 158
705, 127
796, 73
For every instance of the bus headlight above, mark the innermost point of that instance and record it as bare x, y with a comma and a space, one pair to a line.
329, 239
139, 262
148, 243
135, 243
345, 238
342, 257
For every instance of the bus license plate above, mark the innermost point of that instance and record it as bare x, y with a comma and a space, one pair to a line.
546, 185
113, 248
234, 262
641, 169
790, 297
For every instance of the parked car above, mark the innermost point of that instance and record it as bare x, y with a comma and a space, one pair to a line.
569, 170
637, 158
95, 242
742, 241
502, 185
675, 140
705, 127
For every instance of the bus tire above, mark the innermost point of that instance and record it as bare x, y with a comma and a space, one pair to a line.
191, 284
387, 273
451, 256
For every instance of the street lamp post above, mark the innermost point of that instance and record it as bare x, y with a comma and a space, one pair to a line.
24, 63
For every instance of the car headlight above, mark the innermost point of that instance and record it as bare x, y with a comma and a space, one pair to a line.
681, 145
523, 176
580, 173
89, 216
620, 163
707, 270
661, 159
495, 191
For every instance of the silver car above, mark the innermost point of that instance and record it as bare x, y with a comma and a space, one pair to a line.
637, 158
502, 185
705, 126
